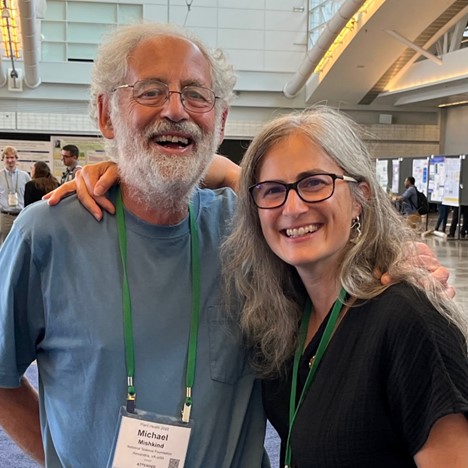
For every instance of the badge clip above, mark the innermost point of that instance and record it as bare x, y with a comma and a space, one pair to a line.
187, 406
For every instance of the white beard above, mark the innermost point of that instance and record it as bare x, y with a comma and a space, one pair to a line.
154, 178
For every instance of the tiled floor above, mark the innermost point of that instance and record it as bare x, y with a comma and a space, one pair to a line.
453, 254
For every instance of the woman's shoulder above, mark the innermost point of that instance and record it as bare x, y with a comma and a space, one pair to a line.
403, 312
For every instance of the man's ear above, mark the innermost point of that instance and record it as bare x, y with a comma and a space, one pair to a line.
223, 126
104, 119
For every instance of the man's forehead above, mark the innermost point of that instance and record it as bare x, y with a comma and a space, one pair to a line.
172, 55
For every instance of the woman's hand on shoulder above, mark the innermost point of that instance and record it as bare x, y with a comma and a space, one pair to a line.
90, 184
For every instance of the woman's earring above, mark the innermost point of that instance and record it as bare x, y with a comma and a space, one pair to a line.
356, 230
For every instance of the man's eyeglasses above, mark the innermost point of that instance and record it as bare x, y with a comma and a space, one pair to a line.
154, 93
311, 189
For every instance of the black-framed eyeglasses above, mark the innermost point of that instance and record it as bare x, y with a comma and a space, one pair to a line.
312, 188
154, 93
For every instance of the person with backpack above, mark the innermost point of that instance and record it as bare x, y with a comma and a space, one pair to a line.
409, 202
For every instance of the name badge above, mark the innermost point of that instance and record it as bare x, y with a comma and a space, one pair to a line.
148, 440
13, 199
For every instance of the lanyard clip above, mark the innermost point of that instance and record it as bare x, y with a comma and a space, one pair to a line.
186, 412
131, 395
131, 403
187, 408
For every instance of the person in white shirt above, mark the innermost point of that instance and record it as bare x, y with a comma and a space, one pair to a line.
12, 183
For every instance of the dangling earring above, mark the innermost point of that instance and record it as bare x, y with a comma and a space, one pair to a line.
356, 229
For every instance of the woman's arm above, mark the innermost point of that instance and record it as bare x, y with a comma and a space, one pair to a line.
222, 173
447, 444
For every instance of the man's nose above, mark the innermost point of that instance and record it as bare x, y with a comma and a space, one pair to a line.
173, 109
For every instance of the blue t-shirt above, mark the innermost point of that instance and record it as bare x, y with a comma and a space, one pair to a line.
60, 303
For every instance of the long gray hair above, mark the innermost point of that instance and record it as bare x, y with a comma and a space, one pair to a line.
271, 289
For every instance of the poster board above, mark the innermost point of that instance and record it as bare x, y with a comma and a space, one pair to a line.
451, 194
29, 152
381, 169
436, 178
91, 151
420, 173
395, 175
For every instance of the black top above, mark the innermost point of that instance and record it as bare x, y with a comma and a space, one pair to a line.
393, 367
32, 193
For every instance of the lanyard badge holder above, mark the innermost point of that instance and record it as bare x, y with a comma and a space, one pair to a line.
144, 438
13, 200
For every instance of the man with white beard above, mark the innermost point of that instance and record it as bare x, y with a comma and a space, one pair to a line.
139, 363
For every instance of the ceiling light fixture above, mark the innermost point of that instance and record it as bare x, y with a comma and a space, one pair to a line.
452, 104
11, 41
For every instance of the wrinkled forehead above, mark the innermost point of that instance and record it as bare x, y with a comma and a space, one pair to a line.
170, 59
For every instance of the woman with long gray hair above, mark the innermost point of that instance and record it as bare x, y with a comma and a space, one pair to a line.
357, 373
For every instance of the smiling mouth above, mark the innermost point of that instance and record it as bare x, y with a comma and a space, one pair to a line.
302, 231
173, 141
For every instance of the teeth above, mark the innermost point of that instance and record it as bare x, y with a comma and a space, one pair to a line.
301, 231
172, 139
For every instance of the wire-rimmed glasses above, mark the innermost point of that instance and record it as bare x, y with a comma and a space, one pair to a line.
312, 188
154, 93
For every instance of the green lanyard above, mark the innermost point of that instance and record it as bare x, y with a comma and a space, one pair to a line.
325, 340
127, 313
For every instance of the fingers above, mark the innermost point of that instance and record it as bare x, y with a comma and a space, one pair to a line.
102, 179
92, 204
93, 182
59, 193
386, 279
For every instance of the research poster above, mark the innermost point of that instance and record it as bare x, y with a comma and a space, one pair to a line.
395, 175
29, 152
420, 173
381, 167
436, 178
451, 195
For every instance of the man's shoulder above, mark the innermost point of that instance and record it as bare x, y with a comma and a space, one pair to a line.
41, 217
224, 198
24, 174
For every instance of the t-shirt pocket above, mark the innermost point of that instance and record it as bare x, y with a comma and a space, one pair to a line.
228, 357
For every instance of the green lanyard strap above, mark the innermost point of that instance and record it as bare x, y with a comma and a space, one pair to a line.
324, 341
127, 312
193, 338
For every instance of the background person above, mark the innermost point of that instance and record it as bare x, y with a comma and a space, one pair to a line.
70, 155
409, 202
160, 98
442, 216
12, 184
455, 220
383, 370
42, 182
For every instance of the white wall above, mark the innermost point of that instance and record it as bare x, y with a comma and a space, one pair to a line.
454, 130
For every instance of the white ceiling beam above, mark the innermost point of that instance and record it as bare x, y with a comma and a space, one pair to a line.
413, 46
457, 18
